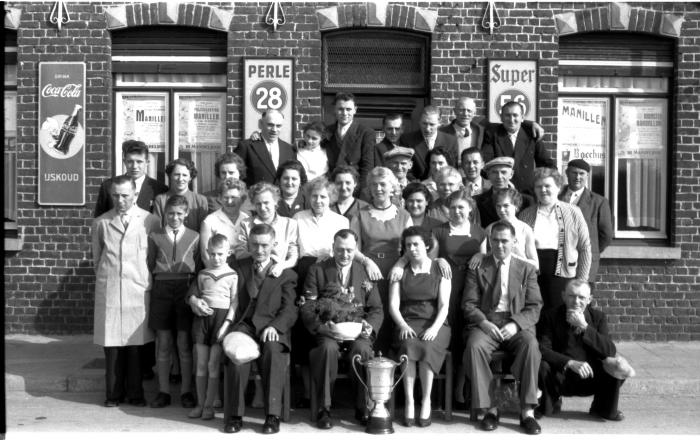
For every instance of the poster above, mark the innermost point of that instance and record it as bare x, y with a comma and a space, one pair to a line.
61, 136
512, 80
201, 122
268, 83
582, 131
142, 117
641, 129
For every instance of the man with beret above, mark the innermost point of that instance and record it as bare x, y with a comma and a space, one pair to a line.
500, 173
595, 209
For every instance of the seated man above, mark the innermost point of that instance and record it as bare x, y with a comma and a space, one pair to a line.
501, 305
266, 312
323, 358
574, 341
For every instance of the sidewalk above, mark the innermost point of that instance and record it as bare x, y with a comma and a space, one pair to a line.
74, 364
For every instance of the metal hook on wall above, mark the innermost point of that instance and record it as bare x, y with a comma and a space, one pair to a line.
491, 19
275, 16
59, 14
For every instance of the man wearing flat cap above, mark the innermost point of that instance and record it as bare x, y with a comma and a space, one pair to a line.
499, 171
595, 209
399, 161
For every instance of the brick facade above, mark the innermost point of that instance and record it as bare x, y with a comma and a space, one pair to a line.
49, 284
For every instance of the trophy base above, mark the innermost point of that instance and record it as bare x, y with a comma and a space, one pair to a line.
377, 425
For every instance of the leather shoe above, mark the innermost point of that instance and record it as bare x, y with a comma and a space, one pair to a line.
233, 425
137, 401
530, 425
109, 403
161, 401
187, 400
323, 421
617, 417
424, 423
489, 422
272, 425
409, 421
361, 415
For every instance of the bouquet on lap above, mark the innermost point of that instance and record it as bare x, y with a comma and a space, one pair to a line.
335, 304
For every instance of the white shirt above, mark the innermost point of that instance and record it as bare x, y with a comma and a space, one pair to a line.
171, 233
315, 162
574, 196
126, 217
513, 137
503, 305
139, 183
344, 272
430, 142
546, 229
316, 233
274, 149
464, 140
219, 223
342, 129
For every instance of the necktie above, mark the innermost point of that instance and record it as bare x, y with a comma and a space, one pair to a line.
258, 267
174, 243
467, 133
497, 292
125, 220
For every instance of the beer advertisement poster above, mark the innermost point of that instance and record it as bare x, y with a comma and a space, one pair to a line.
268, 84
61, 133
512, 80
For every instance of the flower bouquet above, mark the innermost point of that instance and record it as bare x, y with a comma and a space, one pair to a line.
335, 304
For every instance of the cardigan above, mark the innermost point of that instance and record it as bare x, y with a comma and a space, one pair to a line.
574, 247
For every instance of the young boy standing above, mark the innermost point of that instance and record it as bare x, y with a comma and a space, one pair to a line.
173, 257
216, 286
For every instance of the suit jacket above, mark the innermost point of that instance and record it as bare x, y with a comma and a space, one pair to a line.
487, 210
479, 301
325, 272
258, 162
379, 151
415, 140
527, 153
275, 305
149, 190
476, 131
596, 210
355, 149
559, 343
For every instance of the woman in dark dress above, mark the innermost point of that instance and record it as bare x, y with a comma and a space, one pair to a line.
418, 305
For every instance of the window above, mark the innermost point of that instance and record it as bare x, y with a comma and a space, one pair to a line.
614, 96
10, 110
387, 70
170, 92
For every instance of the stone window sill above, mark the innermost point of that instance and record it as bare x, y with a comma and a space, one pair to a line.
641, 253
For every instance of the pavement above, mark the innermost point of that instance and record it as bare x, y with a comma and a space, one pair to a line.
55, 384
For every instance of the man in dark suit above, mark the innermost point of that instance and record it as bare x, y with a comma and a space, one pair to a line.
501, 305
323, 358
468, 132
135, 159
574, 341
427, 138
500, 172
392, 125
348, 140
266, 312
595, 209
262, 157
509, 139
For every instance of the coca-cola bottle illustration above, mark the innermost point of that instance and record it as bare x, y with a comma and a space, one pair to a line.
70, 126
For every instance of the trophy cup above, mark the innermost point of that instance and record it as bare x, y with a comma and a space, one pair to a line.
379, 386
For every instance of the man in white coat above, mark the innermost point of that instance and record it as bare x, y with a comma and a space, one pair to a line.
122, 286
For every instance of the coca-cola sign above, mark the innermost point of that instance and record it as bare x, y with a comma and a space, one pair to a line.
65, 91
61, 133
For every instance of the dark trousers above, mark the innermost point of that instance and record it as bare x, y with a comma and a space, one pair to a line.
123, 373
147, 352
272, 365
323, 360
551, 286
477, 356
556, 383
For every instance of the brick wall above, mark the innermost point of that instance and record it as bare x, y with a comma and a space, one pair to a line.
49, 284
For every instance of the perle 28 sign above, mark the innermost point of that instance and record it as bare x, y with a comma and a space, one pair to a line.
61, 133
268, 84
512, 80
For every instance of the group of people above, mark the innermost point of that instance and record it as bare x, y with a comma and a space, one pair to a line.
456, 239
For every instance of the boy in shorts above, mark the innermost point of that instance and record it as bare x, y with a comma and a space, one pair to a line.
173, 258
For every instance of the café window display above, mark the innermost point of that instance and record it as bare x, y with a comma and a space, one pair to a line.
387, 70
614, 101
170, 92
